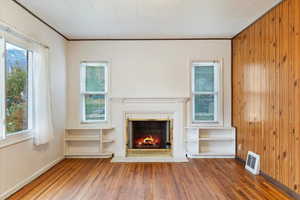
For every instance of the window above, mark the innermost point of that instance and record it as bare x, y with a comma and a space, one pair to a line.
94, 91
205, 91
16, 91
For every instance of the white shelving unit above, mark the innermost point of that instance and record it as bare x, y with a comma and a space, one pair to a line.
88, 142
210, 142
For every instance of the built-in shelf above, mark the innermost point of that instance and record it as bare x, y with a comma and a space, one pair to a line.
107, 141
88, 142
210, 142
213, 155
209, 128
90, 128
87, 138
211, 139
106, 154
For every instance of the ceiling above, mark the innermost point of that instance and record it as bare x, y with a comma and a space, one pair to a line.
104, 19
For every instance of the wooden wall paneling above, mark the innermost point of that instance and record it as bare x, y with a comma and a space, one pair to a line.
246, 112
238, 105
258, 88
242, 100
266, 68
291, 100
297, 96
284, 92
264, 92
235, 115
277, 84
272, 81
251, 86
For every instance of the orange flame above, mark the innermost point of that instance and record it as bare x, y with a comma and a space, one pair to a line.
148, 140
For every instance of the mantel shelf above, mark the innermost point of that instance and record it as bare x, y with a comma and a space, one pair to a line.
151, 100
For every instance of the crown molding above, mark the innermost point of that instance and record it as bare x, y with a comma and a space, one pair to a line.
38, 18
146, 39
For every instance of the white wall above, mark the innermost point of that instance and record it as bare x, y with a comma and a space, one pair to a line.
20, 161
146, 69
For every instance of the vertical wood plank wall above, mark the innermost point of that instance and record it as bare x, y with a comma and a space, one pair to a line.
266, 92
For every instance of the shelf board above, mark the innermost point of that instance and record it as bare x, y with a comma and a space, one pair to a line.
211, 139
216, 139
88, 154
90, 128
209, 128
107, 141
216, 154
90, 138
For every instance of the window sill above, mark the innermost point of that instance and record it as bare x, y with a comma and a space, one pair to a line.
94, 122
208, 123
16, 138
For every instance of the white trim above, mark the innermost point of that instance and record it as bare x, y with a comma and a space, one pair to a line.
150, 100
2, 89
3, 134
29, 179
211, 157
83, 91
256, 168
16, 138
218, 93
9, 29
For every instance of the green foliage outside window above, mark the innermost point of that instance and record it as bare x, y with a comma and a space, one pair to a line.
16, 100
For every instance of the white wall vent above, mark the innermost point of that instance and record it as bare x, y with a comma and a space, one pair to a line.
253, 163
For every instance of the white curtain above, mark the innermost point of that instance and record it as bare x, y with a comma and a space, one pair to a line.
43, 126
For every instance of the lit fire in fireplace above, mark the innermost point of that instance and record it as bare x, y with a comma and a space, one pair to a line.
148, 141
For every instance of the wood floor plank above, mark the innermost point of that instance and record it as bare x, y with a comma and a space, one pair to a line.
88, 179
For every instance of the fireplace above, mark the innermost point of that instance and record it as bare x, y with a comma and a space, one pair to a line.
149, 136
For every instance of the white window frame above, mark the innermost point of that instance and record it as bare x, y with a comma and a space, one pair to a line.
218, 114
24, 134
83, 91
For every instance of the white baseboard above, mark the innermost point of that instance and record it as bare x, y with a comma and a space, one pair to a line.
29, 179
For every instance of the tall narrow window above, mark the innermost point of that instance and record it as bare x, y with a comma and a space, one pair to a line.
205, 91
94, 91
17, 89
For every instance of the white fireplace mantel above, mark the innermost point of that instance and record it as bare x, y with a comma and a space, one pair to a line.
150, 100
150, 108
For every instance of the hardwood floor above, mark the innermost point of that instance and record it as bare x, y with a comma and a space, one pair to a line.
206, 179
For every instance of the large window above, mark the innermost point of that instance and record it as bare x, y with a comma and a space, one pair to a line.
205, 91
94, 91
16, 89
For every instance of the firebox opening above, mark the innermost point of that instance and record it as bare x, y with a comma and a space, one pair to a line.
147, 135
